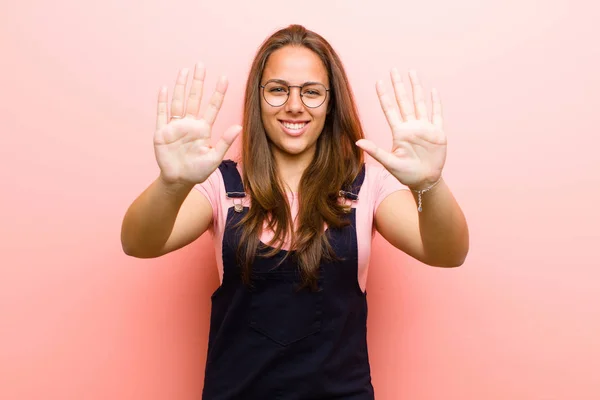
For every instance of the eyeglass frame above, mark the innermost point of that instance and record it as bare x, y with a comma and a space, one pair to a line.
290, 91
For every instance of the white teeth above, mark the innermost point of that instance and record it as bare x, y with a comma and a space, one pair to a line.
294, 126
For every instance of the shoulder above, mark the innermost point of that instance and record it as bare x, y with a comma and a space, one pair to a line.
377, 175
373, 169
379, 183
214, 186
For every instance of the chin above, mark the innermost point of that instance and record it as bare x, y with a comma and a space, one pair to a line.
292, 150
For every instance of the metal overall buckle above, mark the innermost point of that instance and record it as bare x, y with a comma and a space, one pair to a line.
349, 197
237, 207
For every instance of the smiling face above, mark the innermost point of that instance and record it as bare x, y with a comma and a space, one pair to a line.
293, 128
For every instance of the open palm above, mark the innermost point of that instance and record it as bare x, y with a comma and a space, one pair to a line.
182, 144
418, 150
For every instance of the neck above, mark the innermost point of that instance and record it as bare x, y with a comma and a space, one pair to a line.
291, 167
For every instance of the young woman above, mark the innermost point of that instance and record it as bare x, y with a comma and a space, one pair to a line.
294, 219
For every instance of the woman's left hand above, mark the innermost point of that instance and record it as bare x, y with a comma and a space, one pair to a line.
419, 144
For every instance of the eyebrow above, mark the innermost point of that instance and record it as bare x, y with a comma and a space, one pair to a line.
284, 82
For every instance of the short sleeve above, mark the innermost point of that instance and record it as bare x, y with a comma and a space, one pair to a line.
384, 184
210, 188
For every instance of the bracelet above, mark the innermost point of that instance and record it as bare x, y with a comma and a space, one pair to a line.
420, 193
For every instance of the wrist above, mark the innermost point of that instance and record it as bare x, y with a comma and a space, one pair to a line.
424, 189
174, 187
425, 186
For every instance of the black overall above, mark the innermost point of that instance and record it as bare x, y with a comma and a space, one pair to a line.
271, 341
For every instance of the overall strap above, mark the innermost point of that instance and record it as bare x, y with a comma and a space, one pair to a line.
233, 181
352, 192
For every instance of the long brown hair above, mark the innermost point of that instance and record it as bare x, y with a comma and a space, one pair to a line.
336, 163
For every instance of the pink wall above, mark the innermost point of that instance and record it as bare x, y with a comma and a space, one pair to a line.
519, 82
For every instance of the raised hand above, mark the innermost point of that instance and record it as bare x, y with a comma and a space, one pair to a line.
182, 142
418, 150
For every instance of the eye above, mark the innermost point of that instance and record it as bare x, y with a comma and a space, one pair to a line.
276, 89
313, 91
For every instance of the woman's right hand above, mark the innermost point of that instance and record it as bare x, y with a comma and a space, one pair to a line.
182, 143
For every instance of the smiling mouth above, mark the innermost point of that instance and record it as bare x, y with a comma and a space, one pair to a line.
296, 126
294, 129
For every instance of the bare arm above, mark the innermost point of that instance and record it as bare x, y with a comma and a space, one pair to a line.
437, 236
169, 214
165, 217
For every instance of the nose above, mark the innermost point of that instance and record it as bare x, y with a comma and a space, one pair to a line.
294, 103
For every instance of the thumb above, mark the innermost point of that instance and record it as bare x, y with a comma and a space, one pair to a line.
377, 153
227, 139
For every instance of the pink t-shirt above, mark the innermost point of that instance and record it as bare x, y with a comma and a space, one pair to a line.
378, 184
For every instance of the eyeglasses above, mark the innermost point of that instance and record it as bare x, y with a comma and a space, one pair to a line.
277, 93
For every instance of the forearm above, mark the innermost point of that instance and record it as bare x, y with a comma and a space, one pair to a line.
149, 221
443, 227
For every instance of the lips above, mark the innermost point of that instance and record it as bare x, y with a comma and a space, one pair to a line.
294, 128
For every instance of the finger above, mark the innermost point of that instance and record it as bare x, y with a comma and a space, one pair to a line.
195, 97
402, 98
436, 114
161, 113
216, 101
227, 140
177, 104
377, 153
388, 107
419, 98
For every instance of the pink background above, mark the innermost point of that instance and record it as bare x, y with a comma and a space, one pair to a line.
519, 83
